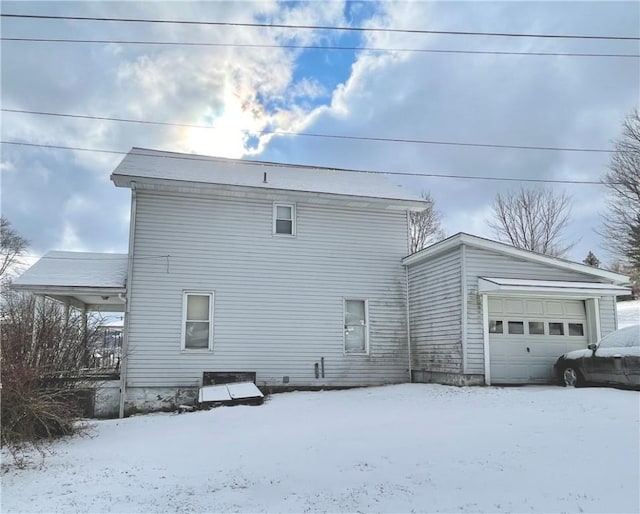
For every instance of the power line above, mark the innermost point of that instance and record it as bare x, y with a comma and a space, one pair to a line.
315, 47
311, 134
319, 27
348, 170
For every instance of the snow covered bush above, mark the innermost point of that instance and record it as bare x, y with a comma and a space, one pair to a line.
42, 354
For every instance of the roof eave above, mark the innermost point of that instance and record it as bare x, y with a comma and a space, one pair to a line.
126, 180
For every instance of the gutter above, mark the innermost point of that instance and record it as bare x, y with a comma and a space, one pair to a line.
127, 307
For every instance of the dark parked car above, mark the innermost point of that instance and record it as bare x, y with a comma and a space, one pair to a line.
614, 360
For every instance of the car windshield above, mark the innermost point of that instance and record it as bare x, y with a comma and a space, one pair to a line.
623, 338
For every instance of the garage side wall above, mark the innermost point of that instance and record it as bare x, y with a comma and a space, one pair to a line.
435, 315
480, 262
607, 315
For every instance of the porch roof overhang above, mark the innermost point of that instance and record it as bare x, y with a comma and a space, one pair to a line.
510, 286
91, 281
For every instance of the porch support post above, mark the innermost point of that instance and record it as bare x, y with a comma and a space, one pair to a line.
38, 314
85, 334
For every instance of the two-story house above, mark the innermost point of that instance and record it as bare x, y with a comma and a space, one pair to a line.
300, 275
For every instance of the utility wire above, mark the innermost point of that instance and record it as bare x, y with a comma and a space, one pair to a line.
314, 47
319, 27
182, 157
311, 134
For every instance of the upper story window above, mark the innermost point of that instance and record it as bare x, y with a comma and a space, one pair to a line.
197, 317
284, 219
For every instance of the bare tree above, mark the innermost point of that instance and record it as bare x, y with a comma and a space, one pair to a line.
12, 247
533, 219
425, 227
622, 219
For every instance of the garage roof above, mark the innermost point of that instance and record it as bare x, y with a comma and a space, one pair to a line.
506, 249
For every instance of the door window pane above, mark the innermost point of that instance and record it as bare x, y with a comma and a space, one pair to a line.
576, 329
495, 327
556, 329
354, 312
536, 328
516, 327
355, 339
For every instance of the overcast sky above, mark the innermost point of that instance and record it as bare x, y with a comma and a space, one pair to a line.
62, 199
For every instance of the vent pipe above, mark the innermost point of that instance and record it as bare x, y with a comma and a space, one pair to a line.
264, 180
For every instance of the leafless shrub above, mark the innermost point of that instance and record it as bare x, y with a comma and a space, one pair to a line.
533, 219
42, 356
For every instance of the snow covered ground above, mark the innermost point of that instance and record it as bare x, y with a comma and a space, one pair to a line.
404, 448
628, 313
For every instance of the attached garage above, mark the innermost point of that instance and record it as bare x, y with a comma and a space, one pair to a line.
483, 312
527, 334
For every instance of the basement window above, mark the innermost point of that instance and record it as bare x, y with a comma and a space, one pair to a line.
197, 315
284, 219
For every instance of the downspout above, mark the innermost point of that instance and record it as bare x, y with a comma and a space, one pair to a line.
406, 275
125, 331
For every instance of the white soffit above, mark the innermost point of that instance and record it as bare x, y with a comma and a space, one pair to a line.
492, 285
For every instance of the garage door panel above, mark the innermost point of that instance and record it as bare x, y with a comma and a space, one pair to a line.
526, 348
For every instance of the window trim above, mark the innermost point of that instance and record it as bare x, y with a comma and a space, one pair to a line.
344, 325
292, 206
185, 295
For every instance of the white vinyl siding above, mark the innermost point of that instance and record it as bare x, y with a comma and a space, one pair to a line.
435, 314
197, 324
278, 301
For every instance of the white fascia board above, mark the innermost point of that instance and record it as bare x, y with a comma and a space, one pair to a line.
69, 290
240, 191
548, 288
505, 249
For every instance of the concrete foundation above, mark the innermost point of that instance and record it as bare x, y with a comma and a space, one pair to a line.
456, 379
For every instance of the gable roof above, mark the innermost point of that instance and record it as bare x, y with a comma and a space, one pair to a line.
506, 249
76, 269
143, 165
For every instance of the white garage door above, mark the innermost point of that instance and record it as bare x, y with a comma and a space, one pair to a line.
527, 335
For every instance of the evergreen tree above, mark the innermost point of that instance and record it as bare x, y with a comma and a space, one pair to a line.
592, 260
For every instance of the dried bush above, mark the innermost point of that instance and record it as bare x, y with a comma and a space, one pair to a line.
40, 373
